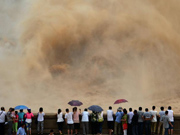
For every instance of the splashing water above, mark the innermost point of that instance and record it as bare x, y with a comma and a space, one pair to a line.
95, 51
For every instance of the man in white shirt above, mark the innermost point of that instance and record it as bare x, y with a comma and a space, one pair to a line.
2, 120
85, 122
110, 120
69, 121
171, 118
154, 120
130, 116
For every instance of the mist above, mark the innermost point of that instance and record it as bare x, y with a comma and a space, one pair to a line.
94, 51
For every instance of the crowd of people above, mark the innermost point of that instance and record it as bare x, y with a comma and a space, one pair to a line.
120, 123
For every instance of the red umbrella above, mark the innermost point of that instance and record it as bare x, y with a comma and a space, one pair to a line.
120, 101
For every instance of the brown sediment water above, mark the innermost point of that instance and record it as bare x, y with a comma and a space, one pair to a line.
53, 51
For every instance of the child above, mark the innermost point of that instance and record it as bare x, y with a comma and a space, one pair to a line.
21, 130
51, 132
15, 122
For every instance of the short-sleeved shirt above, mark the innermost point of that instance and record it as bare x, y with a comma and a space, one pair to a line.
93, 117
130, 115
125, 117
9, 116
154, 114
135, 119
118, 117
85, 116
21, 116
2, 116
165, 120
140, 114
17, 118
69, 116
29, 115
110, 115
170, 114
60, 117
21, 131
147, 115
161, 114
76, 117
41, 117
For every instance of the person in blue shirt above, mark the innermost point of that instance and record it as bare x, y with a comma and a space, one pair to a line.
21, 130
117, 125
21, 118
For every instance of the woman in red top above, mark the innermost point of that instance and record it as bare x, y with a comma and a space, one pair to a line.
15, 123
28, 117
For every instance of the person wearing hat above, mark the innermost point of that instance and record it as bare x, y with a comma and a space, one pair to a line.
29, 115
117, 125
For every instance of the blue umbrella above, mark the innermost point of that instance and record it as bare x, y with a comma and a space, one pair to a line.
95, 108
19, 107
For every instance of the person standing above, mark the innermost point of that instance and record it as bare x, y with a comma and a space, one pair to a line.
110, 120
94, 123
135, 123
76, 119
100, 122
125, 121
10, 121
171, 118
166, 122
117, 125
69, 121
29, 115
130, 115
15, 122
40, 120
147, 118
85, 122
140, 121
60, 121
161, 114
21, 118
154, 120
2, 120
21, 130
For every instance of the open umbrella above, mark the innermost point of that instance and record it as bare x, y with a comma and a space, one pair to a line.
19, 107
95, 108
75, 103
120, 101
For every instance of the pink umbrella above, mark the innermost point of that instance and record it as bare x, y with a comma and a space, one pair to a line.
120, 101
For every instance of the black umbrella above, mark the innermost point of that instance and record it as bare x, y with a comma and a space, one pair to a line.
95, 108
75, 103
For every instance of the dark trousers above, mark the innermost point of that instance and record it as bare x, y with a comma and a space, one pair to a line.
148, 127
135, 129
20, 123
94, 127
166, 131
129, 130
140, 128
85, 128
100, 124
10, 125
1, 128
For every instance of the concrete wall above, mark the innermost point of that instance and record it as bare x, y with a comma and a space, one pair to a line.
50, 123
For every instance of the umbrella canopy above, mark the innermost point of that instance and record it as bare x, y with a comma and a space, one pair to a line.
120, 101
95, 108
75, 103
19, 107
